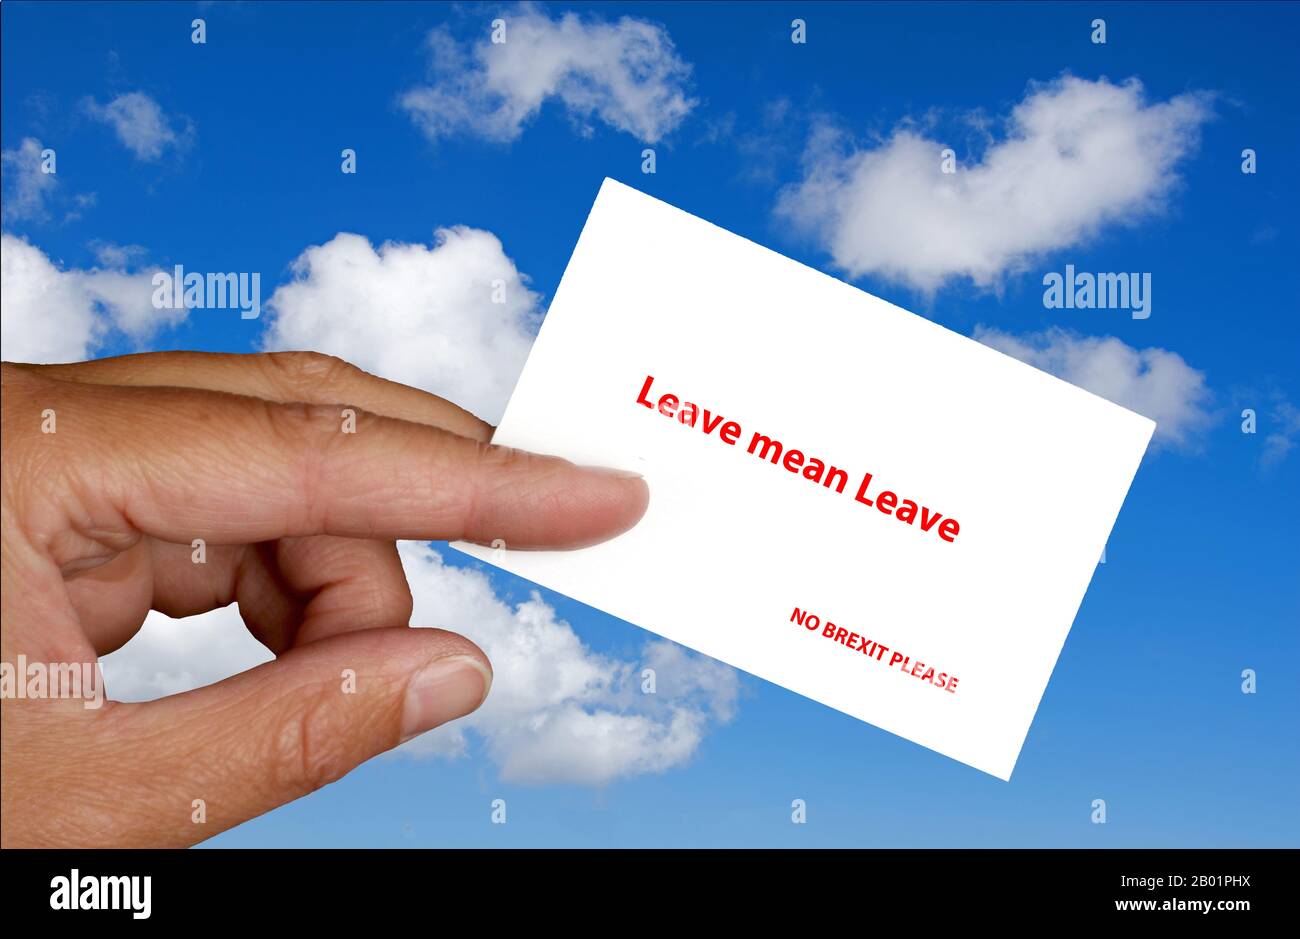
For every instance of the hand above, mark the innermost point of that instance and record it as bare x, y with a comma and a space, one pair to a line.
248, 453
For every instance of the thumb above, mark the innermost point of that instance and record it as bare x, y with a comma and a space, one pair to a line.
280, 731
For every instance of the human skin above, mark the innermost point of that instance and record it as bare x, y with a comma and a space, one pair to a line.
247, 452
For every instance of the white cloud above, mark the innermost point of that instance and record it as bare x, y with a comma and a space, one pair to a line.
420, 315
1078, 155
109, 254
27, 186
1153, 382
53, 315
141, 125
30, 192
80, 201
168, 656
626, 74
1284, 426
558, 712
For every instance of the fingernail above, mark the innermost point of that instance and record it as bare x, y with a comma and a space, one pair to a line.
611, 471
442, 691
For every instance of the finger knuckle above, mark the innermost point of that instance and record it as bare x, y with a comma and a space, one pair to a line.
305, 424
304, 374
307, 749
40, 463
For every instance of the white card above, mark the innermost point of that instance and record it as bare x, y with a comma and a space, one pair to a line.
949, 602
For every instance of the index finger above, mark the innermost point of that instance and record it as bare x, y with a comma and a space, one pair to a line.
276, 376
180, 463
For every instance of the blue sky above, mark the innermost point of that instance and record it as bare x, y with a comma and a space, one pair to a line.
1145, 708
